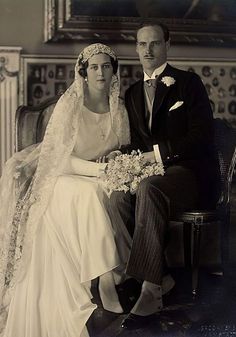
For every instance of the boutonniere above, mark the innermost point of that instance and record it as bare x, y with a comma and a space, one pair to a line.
168, 80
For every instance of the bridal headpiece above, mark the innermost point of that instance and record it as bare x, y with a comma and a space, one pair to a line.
88, 52
93, 49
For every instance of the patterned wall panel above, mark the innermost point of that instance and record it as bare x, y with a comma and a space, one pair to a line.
44, 77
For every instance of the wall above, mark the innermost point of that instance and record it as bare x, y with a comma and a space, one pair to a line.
22, 24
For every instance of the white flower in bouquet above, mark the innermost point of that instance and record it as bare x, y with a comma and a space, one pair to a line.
126, 171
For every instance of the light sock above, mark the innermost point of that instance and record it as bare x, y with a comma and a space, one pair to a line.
149, 301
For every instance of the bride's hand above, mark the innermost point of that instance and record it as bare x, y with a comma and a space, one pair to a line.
111, 155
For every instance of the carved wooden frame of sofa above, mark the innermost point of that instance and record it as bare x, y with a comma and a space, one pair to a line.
31, 122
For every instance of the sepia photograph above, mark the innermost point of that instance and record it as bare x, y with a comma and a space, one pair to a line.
117, 168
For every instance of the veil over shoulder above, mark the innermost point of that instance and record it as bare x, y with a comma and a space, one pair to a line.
29, 179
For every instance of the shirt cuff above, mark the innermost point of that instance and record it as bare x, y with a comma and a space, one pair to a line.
157, 153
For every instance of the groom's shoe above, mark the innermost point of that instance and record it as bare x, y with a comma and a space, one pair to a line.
128, 293
144, 311
132, 321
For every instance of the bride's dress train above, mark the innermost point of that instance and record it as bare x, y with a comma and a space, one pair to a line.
74, 244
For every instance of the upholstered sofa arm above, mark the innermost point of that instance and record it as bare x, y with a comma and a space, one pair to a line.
31, 123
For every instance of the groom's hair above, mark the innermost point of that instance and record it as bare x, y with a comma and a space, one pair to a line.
164, 28
84, 66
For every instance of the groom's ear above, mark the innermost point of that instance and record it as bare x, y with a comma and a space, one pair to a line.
168, 45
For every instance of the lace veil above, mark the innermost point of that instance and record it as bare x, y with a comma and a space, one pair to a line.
29, 176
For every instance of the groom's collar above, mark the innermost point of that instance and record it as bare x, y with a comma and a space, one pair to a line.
156, 72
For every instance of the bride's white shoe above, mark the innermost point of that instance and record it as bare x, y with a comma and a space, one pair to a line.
108, 294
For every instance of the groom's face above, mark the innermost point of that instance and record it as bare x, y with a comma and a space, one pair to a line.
151, 48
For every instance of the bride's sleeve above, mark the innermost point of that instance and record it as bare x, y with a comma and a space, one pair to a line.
83, 167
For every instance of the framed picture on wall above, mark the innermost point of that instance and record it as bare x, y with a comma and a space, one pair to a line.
44, 77
191, 22
47, 76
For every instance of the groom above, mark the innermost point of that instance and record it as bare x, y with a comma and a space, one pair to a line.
171, 121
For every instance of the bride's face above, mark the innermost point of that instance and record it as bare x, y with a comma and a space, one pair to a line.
99, 72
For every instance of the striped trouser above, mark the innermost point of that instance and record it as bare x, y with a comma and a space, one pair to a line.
147, 214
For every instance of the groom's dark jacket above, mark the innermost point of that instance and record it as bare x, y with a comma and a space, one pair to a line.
182, 126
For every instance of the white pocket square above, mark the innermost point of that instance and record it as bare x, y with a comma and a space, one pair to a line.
176, 105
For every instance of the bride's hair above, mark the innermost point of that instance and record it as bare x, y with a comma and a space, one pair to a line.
84, 67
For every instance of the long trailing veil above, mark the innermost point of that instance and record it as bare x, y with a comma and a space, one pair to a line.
29, 177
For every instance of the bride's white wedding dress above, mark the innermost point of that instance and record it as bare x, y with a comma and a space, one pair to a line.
74, 244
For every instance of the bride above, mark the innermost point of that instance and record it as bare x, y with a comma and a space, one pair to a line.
56, 235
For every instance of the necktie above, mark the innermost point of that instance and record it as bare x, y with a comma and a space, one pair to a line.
150, 86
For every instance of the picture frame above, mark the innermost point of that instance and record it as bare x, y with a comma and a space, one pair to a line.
207, 23
45, 76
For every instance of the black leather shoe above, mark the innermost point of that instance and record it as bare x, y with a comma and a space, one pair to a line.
132, 321
128, 293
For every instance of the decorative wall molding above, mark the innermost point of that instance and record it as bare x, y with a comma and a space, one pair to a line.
49, 19
9, 71
4, 72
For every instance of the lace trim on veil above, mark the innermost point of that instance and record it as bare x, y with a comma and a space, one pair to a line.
29, 178
19, 223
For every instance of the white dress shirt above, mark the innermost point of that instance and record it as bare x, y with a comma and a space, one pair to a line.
156, 73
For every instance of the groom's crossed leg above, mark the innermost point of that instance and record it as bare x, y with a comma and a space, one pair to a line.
147, 215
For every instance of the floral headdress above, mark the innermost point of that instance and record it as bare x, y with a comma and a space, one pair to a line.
94, 49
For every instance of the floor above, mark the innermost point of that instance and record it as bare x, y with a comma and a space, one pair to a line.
212, 313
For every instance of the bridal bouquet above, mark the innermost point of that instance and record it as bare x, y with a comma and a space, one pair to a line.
126, 171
